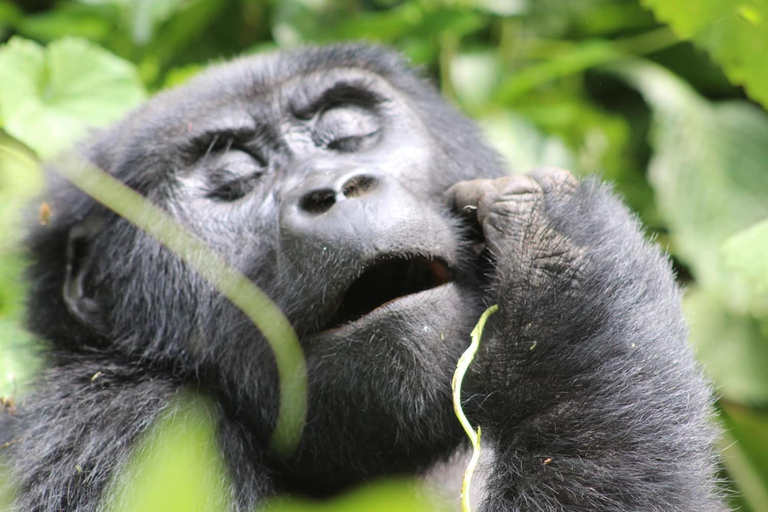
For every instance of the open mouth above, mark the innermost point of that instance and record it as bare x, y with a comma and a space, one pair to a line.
386, 281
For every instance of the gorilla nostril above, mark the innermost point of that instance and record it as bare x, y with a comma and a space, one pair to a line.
318, 201
357, 186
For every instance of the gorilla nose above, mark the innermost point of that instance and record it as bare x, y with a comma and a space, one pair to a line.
321, 199
354, 212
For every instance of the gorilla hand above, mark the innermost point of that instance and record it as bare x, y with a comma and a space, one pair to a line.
518, 218
569, 263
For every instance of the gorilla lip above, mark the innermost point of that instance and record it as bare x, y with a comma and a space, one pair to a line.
386, 281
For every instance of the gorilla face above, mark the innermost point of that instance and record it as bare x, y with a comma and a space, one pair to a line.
325, 187
343, 186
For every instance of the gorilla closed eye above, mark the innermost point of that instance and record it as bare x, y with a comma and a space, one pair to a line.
346, 127
341, 93
235, 189
220, 140
230, 174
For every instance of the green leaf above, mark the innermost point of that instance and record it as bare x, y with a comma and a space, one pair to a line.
585, 55
747, 459
746, 254
177, 465
50, 97
474, 76
731, 346
735, 33
522, 145
20, 179
17, 359
93, 23
709, 170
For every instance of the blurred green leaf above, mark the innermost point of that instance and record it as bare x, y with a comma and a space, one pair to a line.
142, 15
178, 76
50, 97
522, 145
297, 21
747, 460
18, 361
583, 56
7, 490
731, 347
735, 33
10, 14
19, 181
70, 19
474, 76
746, 254
177, 465
383, 27
709, 170
504, 7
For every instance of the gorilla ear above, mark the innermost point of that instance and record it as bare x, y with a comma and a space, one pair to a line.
79, 260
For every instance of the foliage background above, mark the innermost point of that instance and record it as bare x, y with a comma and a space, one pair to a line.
664, 98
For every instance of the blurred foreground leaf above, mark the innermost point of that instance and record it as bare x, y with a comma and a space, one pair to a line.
735, 33
176, 467
50, 97
20, 179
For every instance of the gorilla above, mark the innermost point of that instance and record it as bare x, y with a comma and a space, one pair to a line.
371, 212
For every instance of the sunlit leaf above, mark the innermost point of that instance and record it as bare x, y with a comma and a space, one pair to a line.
50, 97
734, 32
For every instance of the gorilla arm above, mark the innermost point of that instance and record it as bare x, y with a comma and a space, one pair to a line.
584, 385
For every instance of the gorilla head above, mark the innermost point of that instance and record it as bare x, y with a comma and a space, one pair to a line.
320, 175
342, 185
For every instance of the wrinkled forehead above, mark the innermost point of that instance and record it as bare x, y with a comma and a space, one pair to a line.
257, 93
258, 105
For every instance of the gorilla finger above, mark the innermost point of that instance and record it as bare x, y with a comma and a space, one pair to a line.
554, 179
464, 196
512, 195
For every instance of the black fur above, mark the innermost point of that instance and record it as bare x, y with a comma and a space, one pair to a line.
585, 386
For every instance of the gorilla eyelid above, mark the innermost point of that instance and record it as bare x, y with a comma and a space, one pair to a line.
340, 93
201, 146
234, 189
351, 143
